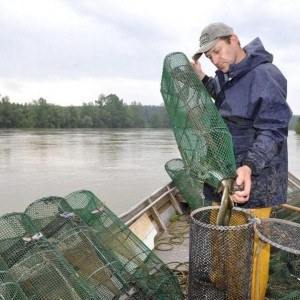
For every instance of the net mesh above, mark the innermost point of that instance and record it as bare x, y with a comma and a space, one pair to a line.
10, 288
145, 268
82, 248
220, 256
284, 274
202, 136
190, 187
78, 249
35, 264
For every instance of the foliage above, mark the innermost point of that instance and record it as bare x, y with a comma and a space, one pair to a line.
106, 112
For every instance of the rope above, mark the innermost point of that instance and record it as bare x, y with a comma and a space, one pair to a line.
178, 233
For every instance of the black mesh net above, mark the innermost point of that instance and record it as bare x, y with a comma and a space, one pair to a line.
220, 256
284, 275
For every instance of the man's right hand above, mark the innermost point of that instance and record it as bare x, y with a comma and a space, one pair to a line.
243, 178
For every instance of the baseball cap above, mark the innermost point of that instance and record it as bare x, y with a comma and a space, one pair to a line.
210, 35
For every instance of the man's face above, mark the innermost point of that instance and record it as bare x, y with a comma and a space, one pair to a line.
222, 55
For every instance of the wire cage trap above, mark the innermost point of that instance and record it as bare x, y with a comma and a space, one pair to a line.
284, 273
82, 248
189, 187
35, 264
9, 287
202, 136
145, 268
220, 256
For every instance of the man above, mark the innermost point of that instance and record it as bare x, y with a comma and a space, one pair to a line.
250, 94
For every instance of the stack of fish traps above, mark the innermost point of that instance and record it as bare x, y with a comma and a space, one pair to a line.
145, 268
76, 248
9, 287
37, 265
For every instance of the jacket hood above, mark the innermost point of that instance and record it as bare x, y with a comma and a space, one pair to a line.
255, 55
256, 50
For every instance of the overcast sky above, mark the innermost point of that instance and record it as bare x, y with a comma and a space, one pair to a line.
71, 51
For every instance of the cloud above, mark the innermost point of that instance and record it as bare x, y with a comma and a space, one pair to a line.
58, 48
92, 43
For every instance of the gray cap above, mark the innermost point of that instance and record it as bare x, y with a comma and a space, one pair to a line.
210, 35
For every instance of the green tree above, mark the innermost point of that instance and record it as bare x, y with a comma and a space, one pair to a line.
138, 115
73, 117
42, 113
156, 120
116, 112
10, 113
106, 112
87, 121
27, 120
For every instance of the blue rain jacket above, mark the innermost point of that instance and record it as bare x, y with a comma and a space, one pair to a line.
251, 98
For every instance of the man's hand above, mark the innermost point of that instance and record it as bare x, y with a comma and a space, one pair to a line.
197, 67
243, 178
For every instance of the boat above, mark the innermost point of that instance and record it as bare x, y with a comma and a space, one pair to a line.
76, 248
161, 220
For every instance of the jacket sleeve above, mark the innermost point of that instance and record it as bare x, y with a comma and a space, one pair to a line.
272, 115
209, 83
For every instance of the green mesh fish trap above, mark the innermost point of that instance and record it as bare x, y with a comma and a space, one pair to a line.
81, 247
37, 265
189, 187
220, 258
284, 274
202, 136
9, 287
146, 269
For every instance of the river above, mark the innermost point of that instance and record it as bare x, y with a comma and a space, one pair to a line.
120, 166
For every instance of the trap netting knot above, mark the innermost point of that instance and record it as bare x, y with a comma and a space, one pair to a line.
202, 136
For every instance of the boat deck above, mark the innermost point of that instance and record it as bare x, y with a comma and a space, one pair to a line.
169, 232
172, 247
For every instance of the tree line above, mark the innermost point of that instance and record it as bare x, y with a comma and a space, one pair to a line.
106, 112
